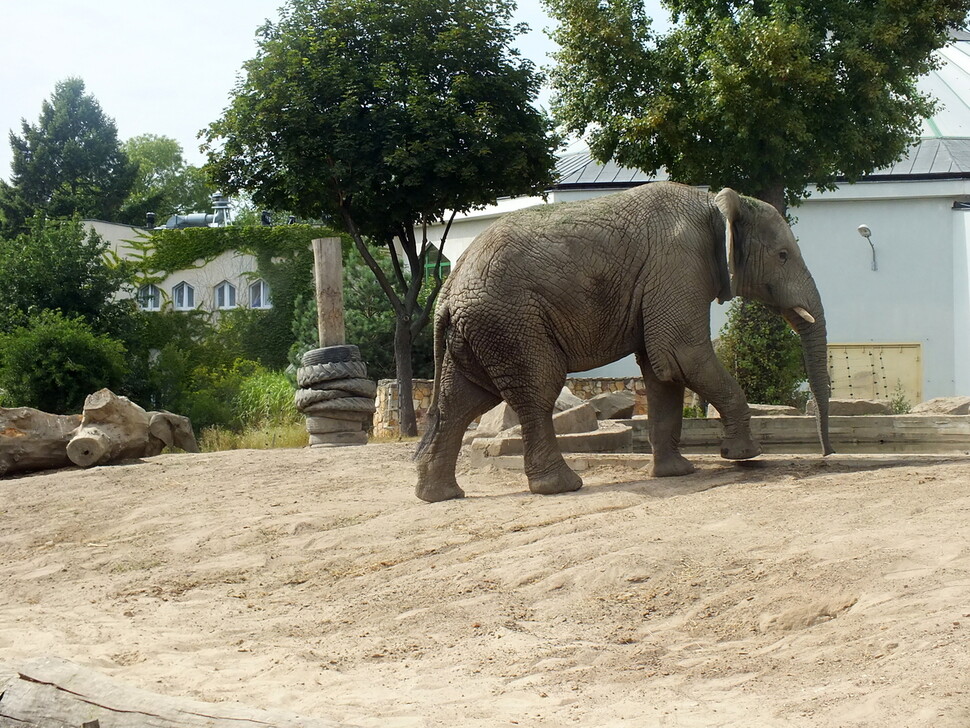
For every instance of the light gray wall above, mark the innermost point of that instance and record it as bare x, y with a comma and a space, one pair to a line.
911, 295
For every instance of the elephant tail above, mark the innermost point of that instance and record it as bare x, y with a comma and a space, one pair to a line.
442, 320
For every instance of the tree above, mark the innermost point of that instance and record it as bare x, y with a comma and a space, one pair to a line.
164, 183
382, 119
70, 163
57, 266
767, 96
763, 353
53, 362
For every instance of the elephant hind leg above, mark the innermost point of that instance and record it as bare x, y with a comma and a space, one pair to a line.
532, 394
459, 402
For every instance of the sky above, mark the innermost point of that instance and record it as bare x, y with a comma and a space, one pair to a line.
155, 68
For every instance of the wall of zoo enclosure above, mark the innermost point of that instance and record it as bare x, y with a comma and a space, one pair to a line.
387, 417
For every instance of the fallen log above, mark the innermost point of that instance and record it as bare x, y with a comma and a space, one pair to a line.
56, 693
115, 428
34, 440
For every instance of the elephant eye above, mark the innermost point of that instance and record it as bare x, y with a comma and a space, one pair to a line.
783, 256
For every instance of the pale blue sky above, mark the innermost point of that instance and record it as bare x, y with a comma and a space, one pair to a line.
156, 68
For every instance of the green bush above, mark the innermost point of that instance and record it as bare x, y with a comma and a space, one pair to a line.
763, 353
266, 400
53, 362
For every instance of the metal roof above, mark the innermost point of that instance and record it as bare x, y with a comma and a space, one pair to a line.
943, 150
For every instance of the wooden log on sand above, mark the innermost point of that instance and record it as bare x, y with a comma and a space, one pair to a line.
56, 693
34, 440
115, 428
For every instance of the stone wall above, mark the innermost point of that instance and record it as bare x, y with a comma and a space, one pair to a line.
387, 418
386, 421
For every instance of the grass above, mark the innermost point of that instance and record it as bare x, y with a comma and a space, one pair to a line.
266, 437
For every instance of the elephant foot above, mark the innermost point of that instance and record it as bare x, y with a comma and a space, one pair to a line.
739, 448
435, 492
562, 480
670, 465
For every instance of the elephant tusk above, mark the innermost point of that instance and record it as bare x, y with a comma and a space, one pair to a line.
804, 314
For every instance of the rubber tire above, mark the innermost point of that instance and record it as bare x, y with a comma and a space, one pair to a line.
305, 397
317, 373
355, 387
347, 404
328, 354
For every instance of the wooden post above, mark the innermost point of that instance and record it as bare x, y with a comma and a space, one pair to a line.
328, 278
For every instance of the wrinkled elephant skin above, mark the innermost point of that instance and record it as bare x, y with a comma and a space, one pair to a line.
573, 286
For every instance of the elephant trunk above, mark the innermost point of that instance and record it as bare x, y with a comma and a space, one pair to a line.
814, 347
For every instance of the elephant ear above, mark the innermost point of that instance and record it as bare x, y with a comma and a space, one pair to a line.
731, 256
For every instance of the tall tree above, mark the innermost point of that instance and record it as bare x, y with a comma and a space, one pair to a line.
767, 96
164, 183
384, 118
57, 265
69, 163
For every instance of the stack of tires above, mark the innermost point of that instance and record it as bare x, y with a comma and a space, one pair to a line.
335, 395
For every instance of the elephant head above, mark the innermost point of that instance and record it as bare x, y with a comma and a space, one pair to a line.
762, 261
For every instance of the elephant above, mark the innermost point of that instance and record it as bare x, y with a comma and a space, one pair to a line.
572, 286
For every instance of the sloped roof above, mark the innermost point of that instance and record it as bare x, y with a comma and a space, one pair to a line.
943, 150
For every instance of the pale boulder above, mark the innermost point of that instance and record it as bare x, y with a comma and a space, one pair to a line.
614, 405
943, 406
852, 407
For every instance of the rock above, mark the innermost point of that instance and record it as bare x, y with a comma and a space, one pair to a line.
614, 405
581, 418
502, 417
943, 406
499, 418
850, 407
567, 400
761, 410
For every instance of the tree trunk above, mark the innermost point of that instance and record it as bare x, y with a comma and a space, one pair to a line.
34, 440
115, 428
49, 691
405, 383
774, 195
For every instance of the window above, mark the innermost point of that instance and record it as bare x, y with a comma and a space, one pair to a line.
431, 263
149, 297
259, 295
183, 296
225, 295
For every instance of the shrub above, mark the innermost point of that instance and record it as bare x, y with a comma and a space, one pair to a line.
266, 400
53, 362
763, 353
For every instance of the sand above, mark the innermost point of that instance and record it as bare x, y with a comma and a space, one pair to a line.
793, 592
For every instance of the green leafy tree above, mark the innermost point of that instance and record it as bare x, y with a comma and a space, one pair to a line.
56, 265
382, 119
164, 184
69, 163
766, 96
763, 353
53, 362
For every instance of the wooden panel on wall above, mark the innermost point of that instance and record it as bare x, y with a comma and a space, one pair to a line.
876, 371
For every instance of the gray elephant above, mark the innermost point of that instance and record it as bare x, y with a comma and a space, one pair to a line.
573, 286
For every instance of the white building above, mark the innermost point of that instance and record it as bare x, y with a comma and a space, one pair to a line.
229, 281
898, 310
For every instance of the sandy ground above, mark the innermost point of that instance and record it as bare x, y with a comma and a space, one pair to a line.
793, 592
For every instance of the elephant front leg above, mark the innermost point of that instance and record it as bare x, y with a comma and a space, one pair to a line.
710, 380
665, 417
